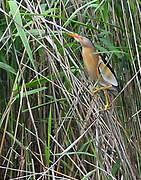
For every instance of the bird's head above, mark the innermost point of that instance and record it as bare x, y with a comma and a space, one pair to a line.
85, 42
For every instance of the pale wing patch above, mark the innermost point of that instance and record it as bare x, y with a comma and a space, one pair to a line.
106, 74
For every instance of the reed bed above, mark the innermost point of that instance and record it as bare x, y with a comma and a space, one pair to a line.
51, 124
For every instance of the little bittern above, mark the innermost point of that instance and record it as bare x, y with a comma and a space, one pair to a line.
97, 70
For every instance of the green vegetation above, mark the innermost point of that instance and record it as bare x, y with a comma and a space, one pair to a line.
51, 125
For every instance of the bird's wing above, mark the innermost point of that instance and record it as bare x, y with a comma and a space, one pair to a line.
106, 74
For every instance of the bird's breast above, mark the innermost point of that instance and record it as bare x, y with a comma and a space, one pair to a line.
90, 59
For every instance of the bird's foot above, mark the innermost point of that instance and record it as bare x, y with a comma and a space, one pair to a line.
106, 107
106, 95
96, 90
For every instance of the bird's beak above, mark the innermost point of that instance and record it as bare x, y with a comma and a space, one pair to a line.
75, 36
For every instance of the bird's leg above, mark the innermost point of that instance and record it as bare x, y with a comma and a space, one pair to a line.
106, 99
102, 88
105, 93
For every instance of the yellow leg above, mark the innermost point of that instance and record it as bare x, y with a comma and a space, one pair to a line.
106, 99
105, 93
102, 88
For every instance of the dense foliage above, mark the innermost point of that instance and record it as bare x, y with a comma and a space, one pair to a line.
51, 124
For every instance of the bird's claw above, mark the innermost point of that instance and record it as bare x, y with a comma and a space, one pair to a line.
96, 90
106, 107
107, 102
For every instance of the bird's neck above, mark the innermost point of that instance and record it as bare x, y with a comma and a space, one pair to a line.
90, 52
90, 59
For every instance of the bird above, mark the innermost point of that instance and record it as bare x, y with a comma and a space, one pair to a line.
97, 69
